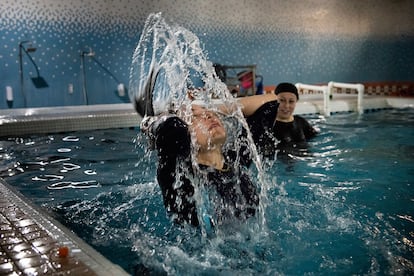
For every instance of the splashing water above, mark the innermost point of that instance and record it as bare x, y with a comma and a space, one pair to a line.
173, 56
168, 63
334, 212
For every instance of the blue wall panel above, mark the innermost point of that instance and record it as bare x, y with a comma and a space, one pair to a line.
296, 41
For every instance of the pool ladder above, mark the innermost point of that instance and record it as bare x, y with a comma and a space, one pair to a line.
328, 90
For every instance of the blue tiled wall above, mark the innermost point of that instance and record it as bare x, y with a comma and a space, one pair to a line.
296, 41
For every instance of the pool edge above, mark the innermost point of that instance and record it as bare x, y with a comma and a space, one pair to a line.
77, 118
79, 250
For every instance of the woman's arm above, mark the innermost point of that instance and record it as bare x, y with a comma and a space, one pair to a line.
172, 138
250, 104
309, 130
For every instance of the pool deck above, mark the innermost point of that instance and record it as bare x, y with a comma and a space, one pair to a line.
22, 121
32, 243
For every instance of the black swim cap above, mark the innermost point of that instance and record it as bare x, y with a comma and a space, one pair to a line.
287, 87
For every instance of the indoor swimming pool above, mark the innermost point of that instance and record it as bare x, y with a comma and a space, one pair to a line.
344, 207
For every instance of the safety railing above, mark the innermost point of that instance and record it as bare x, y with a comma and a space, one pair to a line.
328, 91
318, 88
357, 86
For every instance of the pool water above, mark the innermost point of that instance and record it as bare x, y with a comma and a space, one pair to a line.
345, 207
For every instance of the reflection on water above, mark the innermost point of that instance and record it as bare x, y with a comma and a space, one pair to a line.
343, 207
346, 208
74, 185
47, 177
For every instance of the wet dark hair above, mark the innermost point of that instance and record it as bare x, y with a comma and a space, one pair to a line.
287, 87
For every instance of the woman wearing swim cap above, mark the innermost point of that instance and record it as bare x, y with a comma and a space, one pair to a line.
272, 121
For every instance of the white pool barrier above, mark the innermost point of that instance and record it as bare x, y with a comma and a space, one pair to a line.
317, 100
328, 91
358, 86
316, 88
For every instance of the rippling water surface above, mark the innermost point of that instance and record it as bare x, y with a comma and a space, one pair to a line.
344, 207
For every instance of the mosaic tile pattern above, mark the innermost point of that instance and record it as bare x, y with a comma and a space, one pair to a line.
27, 248
385, 89
297, 41
32, 244
51, 120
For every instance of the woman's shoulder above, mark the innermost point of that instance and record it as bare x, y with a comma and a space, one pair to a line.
270, 105
300, 118
251, 104
172, 135
267, 110
310, 131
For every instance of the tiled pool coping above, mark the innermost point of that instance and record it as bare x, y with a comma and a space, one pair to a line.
63, 119
31, 242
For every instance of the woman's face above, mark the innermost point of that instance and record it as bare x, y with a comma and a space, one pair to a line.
207, 127
287, 103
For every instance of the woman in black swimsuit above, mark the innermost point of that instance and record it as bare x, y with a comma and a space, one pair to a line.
202, 175
272, 123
